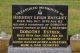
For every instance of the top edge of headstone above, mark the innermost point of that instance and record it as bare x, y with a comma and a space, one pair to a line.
40, 4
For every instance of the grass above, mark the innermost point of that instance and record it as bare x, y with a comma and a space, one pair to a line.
73, 20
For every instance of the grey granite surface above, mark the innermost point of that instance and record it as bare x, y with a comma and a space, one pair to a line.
39, 50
